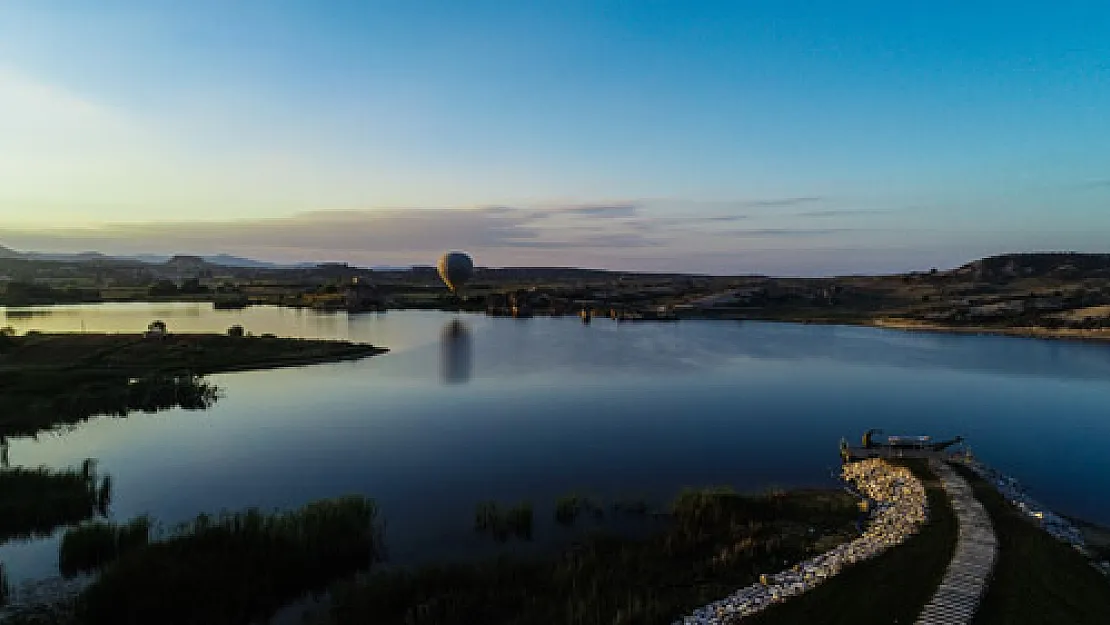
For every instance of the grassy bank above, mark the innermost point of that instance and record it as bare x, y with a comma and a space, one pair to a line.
891, 588
714, 542
38, 501
1037, 579
235, 569
48, 380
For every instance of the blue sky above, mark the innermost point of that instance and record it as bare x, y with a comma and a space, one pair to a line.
779, 137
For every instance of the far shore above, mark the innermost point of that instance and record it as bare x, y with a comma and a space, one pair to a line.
1031, 332
357, 351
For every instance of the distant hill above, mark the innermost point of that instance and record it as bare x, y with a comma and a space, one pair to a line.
1053, 265
223, 260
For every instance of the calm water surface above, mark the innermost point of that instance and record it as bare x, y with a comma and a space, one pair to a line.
531, 409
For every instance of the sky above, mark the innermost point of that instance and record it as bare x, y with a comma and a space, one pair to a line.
780, 137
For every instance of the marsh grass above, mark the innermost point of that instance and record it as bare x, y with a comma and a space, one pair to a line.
517, 520
92, 546
714, 542
5, 592
236, 568
569, 507
34, 400
35, 502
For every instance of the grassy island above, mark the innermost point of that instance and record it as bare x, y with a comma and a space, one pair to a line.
52, 379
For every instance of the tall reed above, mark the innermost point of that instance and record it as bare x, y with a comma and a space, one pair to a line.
92, 546
37, 501
236, 568
5, 592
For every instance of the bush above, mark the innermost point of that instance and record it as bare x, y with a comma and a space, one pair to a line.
236, 331
163, 287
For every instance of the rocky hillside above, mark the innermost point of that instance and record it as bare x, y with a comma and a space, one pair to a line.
1054, 265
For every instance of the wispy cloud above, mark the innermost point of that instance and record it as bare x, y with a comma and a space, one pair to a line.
780, 202
767, 233
841, 212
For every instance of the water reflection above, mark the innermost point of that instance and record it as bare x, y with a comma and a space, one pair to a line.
456, 354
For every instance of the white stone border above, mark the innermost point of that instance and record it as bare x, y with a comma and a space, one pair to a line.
899, 510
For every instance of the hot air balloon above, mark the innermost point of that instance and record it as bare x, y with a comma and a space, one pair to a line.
455, 269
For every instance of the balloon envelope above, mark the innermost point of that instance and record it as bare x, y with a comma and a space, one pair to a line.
455, 268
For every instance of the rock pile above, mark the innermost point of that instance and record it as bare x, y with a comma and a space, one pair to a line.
898, 508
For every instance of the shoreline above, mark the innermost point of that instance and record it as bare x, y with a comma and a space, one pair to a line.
881, 322
1026, 332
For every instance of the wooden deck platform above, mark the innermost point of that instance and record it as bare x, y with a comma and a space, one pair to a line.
862, 453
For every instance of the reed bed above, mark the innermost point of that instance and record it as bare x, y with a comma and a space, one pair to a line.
34, 400
92, 546
517, 520
569, 507
713, 542
35, 502
236, 568
5, 591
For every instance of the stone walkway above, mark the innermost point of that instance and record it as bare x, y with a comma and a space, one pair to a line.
965, 582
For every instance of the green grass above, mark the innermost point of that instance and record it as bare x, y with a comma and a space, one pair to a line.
714, 543
892, 588
35, 502
235, 569
1037, 579
92, 546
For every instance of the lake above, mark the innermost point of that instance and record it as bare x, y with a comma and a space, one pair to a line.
530, 409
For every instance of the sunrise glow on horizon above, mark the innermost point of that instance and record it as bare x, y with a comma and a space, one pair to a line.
786, 138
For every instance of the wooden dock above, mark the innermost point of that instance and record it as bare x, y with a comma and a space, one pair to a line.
853, 454
965, 582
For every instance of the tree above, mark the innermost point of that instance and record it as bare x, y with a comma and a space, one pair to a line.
163, 287
193, 285
236, 331
7, 338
